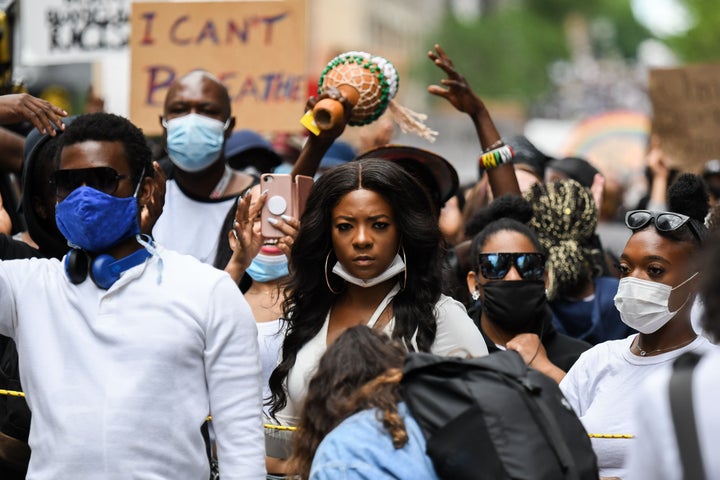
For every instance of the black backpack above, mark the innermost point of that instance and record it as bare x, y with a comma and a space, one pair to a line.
493, 418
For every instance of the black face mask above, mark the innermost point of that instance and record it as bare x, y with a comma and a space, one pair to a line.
515, 306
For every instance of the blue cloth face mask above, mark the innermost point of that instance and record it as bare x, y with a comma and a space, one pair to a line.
266, 268
95, 221
194, 142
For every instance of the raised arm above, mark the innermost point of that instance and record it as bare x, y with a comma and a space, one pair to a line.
11, 151
456, 90
317, 145
655, 159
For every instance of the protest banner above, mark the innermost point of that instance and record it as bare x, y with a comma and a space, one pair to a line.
72, 31
686, 114
257, 49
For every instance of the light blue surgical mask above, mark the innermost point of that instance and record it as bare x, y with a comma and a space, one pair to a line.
194, 142
266, 268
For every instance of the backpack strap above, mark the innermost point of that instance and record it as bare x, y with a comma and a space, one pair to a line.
683, 416
214, 469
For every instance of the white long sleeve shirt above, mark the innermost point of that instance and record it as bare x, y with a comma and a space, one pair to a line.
120, 381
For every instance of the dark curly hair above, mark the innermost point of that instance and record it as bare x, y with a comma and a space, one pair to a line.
107, 127
505, 213
688, 196
360, 370
308, 298
506, 206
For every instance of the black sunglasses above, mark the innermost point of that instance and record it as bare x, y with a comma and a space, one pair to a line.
664, 221
530, 266
104, 179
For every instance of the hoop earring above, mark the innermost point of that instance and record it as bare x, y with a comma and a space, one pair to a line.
404, 284
327, 278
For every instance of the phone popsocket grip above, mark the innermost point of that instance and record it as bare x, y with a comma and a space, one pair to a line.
277, 205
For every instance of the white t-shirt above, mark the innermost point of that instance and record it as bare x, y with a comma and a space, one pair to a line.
270, 339
191, 225
456, 335
655, 452
602, 387
120, 381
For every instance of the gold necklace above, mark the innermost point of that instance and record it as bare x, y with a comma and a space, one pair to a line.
644, 353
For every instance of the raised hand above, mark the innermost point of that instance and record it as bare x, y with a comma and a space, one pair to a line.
339, 122
317, 145
153, 209
245, 240
656, 160
44, 116
289, 226
5, 221
598, 190
455, 88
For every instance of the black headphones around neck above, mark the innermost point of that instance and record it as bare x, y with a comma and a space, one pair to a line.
104, 270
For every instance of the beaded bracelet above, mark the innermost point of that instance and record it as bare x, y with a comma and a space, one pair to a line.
497, 157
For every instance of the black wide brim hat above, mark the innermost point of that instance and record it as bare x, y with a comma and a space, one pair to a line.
434, 172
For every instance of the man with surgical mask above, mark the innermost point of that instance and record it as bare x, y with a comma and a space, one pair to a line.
201, 187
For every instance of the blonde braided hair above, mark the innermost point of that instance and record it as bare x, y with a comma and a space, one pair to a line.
565, 217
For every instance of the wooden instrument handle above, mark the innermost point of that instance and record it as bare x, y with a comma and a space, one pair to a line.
328, 112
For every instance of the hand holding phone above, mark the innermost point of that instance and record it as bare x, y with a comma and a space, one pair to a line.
284, 197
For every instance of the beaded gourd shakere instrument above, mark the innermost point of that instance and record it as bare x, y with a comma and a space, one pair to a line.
370, 83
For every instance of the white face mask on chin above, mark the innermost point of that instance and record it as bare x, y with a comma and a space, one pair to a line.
644, 305
395, 267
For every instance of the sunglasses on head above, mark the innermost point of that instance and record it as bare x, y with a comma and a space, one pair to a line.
664, 221
495, 266
104, 179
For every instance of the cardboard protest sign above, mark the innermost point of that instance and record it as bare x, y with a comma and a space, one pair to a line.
72, 31
257, 49
686, 114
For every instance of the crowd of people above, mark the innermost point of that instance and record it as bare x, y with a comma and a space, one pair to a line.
149, 328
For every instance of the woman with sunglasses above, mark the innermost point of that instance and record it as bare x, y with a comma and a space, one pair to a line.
655, 295
507, 281
369, 227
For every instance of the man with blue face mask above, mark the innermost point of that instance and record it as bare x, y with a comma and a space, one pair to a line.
125, 347
201, 187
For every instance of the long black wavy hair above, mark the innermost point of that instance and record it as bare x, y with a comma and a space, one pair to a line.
308, 298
